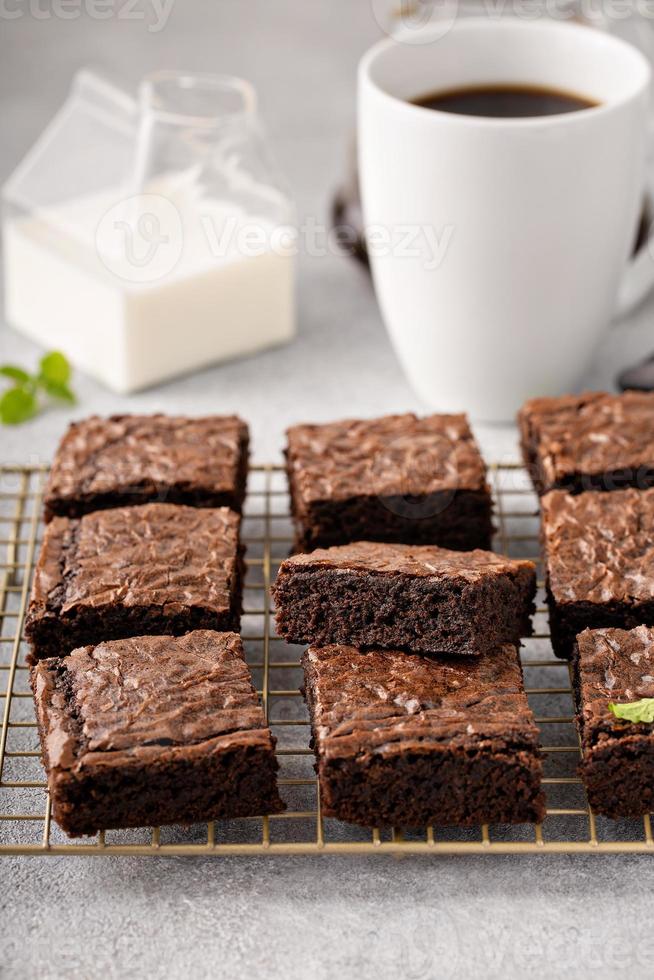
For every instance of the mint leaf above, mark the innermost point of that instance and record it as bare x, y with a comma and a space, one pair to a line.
54, 368
636, 711
20, 402
17, 405
15, 373
56, 389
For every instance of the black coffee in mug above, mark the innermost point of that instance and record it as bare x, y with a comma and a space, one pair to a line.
504, 101
499, 101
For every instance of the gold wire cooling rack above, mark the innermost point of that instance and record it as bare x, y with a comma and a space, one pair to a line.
25, 822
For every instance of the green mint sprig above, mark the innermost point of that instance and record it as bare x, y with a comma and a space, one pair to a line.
29, 393
636, 711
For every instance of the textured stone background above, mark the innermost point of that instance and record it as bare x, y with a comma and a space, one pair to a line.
322, 918
327, 918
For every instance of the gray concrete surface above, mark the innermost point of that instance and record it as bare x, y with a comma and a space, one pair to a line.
327, 919
323, 918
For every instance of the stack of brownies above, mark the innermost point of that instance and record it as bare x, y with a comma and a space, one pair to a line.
412, 677
145, 705
591, 458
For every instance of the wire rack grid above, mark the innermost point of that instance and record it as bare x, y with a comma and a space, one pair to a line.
25, 822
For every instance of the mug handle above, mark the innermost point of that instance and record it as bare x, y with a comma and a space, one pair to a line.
638, 277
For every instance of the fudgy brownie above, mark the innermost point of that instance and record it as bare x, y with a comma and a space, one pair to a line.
156, 568
406, 740
593, 441
617, 767
599, 559
127, 459
396, 596
397, 478
154, 730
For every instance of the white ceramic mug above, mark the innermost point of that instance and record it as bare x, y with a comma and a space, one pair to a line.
497, 245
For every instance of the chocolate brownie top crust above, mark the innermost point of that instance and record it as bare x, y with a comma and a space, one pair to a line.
152, 555
613, 665
423, 561
394, 455
599, 546
592, 433
107, 455
389, 702
145, 698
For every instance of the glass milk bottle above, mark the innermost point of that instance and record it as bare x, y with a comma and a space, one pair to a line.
149, 238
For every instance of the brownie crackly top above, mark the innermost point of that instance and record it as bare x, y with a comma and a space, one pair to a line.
394, 455
424, 561
381, 700
149, 452
590, 434
146, 695
163, 555
613, 665
599, 546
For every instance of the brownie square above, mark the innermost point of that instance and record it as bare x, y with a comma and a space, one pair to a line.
154, 730
397, 478
408, 741
617, 764
599, 560
413, 597
133, 459
593, 441
157, 568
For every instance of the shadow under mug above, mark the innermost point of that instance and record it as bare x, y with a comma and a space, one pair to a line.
497, 245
